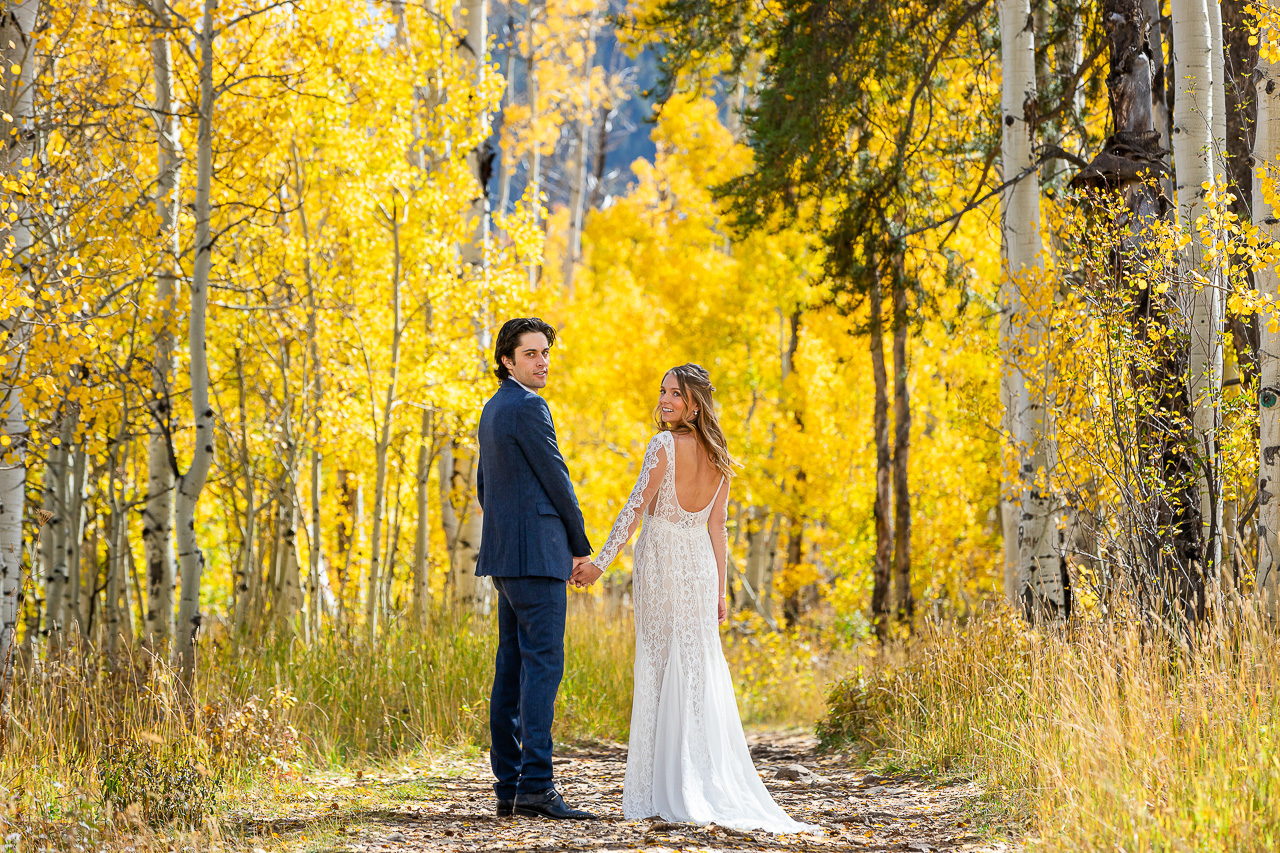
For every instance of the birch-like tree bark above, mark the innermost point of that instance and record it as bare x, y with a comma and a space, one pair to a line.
287, 581
1033, 561
74, 544
117, 613
192, 482
1201, 296
157, 515
762, 549
459, 468
578, 169
535, 150
247, 572
422, 533
384, 419
55, 534
506, 168
16, 126
470, 592
1266, 154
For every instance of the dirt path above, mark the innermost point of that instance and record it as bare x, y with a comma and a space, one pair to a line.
858, 811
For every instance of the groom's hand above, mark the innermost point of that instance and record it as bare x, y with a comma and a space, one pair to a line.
585, 574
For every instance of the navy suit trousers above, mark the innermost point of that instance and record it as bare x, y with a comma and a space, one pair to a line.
529, 666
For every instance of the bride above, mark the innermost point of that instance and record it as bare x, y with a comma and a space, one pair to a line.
688, 759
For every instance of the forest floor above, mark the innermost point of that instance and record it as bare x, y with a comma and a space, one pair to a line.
452, 810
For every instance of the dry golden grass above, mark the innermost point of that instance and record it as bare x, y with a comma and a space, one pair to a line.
87, 738
1104, 740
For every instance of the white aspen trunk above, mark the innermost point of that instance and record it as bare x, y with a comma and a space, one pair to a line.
16, 50
535, 150
13, 481
473, 49
246, 581
118, 615
578, 183
1223, 515
157, 516
1033, 558
506, 169
317, 581
72, 616
112, 620
1229, 569
384, 438
288, 587
192, 482
1266, 155
55, 534
1201, 298
422, 535
762, 548
1217, 65
470, 592
48, 549
287, 583
448, 514
349, 538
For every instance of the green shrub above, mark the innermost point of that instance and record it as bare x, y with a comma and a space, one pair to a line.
169, 782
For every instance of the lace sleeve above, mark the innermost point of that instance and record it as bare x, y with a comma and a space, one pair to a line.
651, 474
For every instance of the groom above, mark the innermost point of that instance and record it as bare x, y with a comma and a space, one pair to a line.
533, 539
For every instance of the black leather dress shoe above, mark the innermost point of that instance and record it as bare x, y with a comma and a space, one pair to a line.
506, 808
550, 804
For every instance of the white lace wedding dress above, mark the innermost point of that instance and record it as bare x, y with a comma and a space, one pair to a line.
688, 759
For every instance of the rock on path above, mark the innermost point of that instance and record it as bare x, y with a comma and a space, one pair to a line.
859, 811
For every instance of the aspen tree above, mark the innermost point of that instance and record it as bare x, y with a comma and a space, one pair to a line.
317, 574
157, 516
1033, 570
246, 579
17, 33
191, 484
1266, 156
578, 168
74, 541
535, 150
393, 220
422, 534
762, 549
55, 539
1201, 295
463, 461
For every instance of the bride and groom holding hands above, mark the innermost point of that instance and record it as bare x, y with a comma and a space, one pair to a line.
687, 759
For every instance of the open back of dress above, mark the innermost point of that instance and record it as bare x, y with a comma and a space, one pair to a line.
687, 759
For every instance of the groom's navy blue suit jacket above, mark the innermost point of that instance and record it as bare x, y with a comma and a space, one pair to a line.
532, 524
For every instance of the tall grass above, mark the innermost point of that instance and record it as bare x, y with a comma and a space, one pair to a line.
81, 727
1105, 740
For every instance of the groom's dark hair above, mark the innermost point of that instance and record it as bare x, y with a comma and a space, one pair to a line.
509, 338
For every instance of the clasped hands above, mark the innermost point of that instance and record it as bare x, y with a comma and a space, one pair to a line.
585, 572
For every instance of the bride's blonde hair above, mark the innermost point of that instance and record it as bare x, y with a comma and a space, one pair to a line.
696, 388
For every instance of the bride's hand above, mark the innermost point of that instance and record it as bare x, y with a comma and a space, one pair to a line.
722, 611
